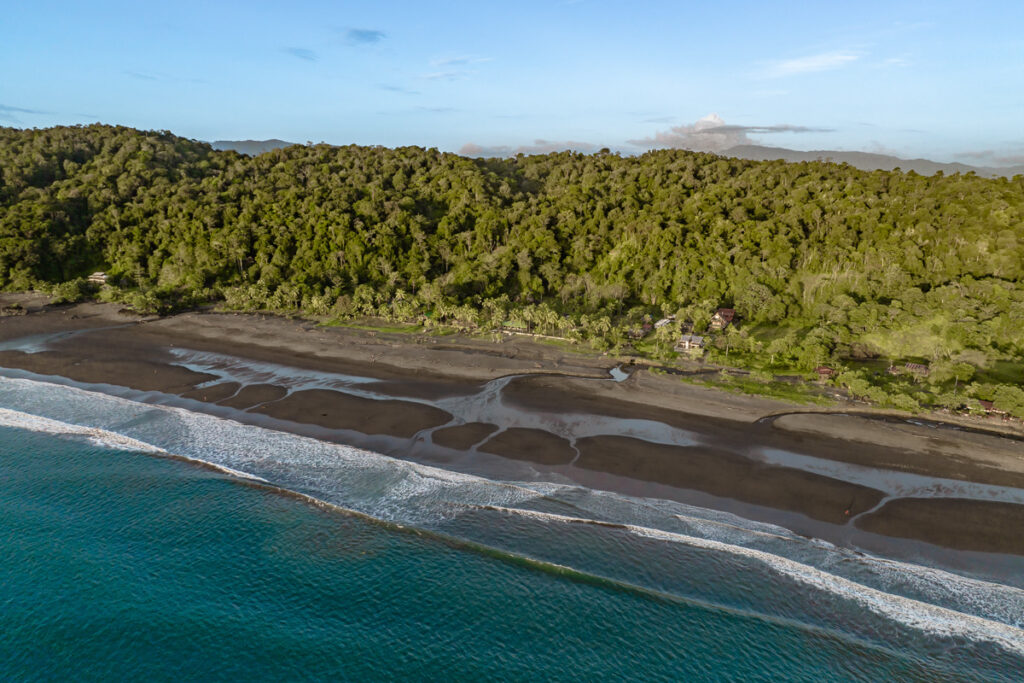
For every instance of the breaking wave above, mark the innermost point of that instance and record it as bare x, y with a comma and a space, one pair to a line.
664, 547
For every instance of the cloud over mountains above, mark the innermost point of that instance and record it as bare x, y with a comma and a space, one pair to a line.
712, 134
538, 147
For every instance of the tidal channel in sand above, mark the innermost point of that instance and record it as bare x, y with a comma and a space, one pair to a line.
515, 410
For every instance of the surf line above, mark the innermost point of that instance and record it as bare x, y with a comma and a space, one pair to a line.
109, 439
910, 612
878, 601
40, 424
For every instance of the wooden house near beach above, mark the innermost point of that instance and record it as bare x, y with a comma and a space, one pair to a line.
690, 343
516, 326
722, 318
909, 369
824, 372
990, 408
917, 369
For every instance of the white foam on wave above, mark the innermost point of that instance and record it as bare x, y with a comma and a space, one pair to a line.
242, 449
415, 494
103, 438
915, 613
961, 594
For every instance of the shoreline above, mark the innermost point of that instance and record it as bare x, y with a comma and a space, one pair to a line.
422, 388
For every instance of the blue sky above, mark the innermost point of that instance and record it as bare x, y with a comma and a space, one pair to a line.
937, 79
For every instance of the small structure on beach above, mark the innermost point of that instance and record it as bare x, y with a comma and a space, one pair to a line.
641, 331
513, 325
990, 408
722, 318
917, 369
690, 343
99, 278
12, 310
824, 372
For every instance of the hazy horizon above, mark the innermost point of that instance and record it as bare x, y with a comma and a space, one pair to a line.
938, 81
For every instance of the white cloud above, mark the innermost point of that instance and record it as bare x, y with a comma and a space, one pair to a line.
455, 75
826, 61
895, 62
458, 61
709, 134
453, 68
712, 134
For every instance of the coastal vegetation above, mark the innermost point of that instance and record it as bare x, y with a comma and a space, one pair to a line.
824, 264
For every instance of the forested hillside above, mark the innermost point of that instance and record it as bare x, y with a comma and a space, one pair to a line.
823, 263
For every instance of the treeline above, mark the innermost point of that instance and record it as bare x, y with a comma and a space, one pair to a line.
823, 263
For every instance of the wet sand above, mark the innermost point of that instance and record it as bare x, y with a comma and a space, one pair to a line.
914, 448
872, 443
131, 368
335, 410
253, 395
98, 344
989, 527
213, 393
532, 445
463, 437
724, 473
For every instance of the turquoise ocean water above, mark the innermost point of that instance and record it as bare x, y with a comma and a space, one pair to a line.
289, 558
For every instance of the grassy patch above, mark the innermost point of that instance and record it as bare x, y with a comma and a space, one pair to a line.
794, 392
564, 344
1002, 372
374, 326
768, 332
926, 337
869, 365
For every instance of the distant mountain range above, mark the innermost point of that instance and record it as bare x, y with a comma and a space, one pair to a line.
865, 161
250, 147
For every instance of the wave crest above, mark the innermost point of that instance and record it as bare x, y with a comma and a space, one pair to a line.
463, 506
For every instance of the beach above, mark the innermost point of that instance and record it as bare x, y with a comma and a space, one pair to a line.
521, 408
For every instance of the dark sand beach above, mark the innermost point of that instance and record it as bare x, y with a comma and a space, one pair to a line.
215, 393
726, 474
463, 437
412, 380
253, 395
963, 524
533, 445
336, 410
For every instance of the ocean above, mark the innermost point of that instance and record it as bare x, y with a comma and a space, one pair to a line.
143, 541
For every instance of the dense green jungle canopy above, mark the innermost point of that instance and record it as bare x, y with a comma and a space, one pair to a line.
822, 262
